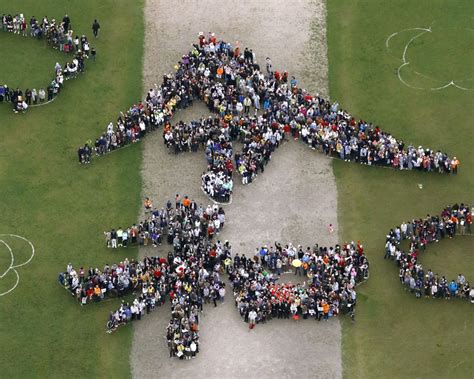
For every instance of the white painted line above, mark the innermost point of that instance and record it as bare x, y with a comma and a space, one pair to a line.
28, 242
463, 88
387, 41
14, 266
409, 43
12, 259
405, 62
41, 104
54, 98
401, 79
14, 286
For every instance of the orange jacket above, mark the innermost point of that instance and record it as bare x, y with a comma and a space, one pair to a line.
326, 308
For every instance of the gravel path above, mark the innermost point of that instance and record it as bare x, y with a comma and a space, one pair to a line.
294, 200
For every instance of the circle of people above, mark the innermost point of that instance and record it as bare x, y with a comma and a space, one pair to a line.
259, 107
192, 274
58, 35
419, 233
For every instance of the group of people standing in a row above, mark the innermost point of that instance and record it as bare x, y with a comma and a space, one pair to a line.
58, 35
453, 220
164, 224
258, 106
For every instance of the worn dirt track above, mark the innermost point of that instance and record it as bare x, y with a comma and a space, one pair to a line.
294, 200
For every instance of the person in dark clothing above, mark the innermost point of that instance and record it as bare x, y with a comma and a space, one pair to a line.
95, 28
3, 92
80, 153
66, 22
50, 93
28, 96
286, 310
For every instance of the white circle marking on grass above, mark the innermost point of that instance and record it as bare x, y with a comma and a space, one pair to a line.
406, 63
13, 266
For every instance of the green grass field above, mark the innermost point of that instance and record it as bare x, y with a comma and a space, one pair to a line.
455, 257
31, 66
397, 335
61, 207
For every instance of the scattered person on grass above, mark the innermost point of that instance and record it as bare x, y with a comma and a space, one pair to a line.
95, 29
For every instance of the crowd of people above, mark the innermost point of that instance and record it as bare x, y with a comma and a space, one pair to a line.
330, 276
95, 285
190, 275
167, 224
58, 35
257, 106
453, 220
215, 137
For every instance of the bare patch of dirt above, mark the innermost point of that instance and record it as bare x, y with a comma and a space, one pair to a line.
294, 200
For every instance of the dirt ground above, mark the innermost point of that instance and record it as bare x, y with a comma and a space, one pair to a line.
294, 200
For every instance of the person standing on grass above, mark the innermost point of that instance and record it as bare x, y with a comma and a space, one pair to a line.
41, 95
113, 239
23, 26
28, 96
34, 96
76, 43
95, 28
454, 165
50, 92
119, 237
66, 22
